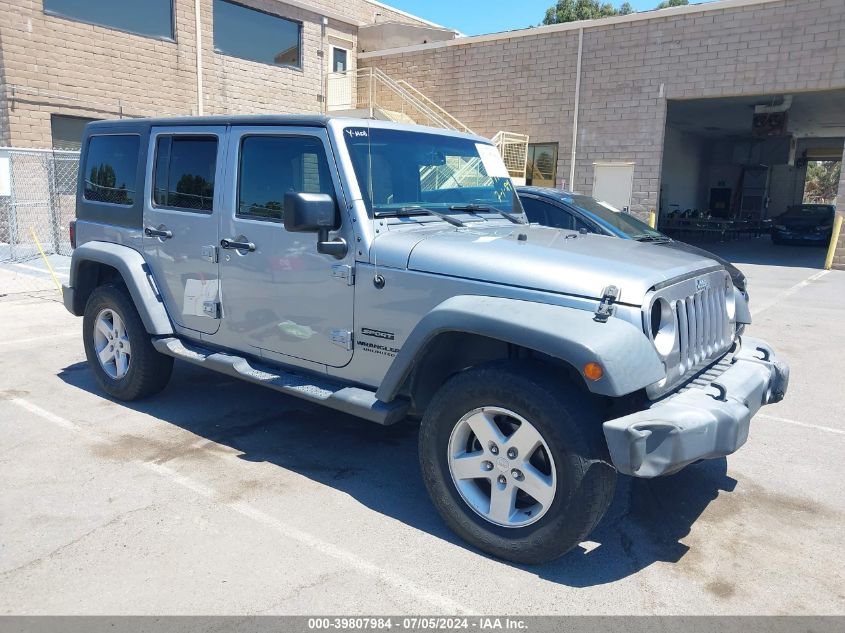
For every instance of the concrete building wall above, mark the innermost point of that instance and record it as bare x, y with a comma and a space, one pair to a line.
525, 81
54, 65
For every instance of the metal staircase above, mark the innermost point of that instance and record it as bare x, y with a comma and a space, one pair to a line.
371, 93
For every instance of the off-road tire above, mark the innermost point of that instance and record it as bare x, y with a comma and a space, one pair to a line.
149, 371
569, 424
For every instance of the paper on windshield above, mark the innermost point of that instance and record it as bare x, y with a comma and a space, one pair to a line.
492, 161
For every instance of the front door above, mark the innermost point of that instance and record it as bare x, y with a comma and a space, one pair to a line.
339, 81
280, 296
181, 222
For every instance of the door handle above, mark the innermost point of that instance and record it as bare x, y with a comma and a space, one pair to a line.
237, 246
163, 233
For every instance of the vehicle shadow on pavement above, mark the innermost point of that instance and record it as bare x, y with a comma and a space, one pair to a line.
644, 524
378, 467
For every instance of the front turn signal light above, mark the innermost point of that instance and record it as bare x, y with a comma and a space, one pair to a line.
593, 371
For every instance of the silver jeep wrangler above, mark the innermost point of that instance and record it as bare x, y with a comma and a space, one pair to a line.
388, 271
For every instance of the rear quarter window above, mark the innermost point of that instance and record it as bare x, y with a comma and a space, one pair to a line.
111, 167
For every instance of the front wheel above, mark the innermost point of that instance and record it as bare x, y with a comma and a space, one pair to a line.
514, 461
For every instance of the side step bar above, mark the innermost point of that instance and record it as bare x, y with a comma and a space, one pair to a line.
325, 391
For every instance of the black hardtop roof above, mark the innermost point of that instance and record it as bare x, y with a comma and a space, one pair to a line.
312, 120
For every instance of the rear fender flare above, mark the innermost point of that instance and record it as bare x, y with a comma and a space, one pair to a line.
136, 275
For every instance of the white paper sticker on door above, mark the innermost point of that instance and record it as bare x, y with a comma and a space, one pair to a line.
197, 292
492, 161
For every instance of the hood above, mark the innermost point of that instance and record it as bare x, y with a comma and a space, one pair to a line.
540, 258
804, 220
737, 276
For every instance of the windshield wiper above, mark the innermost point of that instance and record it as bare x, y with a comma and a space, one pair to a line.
418, 210
483, 207
651, 238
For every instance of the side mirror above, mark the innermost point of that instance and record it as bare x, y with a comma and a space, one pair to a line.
315, 213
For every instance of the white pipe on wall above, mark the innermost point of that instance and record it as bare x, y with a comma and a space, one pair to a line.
575, 110
199, 56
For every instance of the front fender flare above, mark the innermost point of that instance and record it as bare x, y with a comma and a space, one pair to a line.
134, 270
627, 356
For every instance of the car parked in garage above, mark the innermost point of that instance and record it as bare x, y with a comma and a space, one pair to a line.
579, 212
804, 224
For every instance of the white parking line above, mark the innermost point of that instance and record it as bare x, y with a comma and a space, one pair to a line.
35, 339
806, 425
789, 291
441, 603
40, 270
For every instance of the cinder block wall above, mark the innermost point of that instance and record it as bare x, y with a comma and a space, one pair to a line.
526, 83
76, 69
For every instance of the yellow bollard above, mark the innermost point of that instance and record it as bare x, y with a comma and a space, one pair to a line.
834, 238
46, 261
652, 218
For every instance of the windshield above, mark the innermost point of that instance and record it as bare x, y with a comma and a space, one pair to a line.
628, 224
398, 170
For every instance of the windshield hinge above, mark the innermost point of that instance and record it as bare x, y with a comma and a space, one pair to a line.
343, 338
609, 296
344, 271
212, 309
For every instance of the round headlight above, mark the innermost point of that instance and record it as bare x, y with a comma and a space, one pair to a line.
663, 326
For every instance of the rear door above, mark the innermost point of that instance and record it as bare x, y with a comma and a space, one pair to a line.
279, 294
181, 222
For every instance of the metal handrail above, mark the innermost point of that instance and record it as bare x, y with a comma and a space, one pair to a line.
456, 124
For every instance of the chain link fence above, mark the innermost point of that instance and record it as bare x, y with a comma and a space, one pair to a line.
37, 201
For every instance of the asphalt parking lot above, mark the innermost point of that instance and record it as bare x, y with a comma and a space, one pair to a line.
219, 497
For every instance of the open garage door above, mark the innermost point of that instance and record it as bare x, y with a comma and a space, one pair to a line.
734, 168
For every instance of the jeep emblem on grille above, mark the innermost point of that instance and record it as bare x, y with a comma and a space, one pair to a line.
701, 284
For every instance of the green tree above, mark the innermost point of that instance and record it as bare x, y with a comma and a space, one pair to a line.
822, 182
574, 10
672, 3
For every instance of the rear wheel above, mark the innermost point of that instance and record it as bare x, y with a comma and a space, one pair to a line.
118, 347
515, 462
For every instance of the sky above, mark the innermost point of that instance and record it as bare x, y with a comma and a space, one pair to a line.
474, 17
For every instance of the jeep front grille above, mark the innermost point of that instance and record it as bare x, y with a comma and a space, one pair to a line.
704, 326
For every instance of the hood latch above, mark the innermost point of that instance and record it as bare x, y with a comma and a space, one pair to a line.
609, 296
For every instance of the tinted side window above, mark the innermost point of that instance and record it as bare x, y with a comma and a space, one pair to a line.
251, 34
184, 172
536, 210
144, 17
271, 166
110, 168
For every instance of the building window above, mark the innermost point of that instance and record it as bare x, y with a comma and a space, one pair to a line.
184, 172
340, 60
542, 164
153, 18
272, 166
111, 167
255, 35
67, 131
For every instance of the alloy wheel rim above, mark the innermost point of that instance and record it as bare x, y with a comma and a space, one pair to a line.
502, 467
111, 344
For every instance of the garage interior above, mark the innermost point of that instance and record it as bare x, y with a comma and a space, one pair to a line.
742, 161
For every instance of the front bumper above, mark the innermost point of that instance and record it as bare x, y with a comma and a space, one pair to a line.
698, 422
